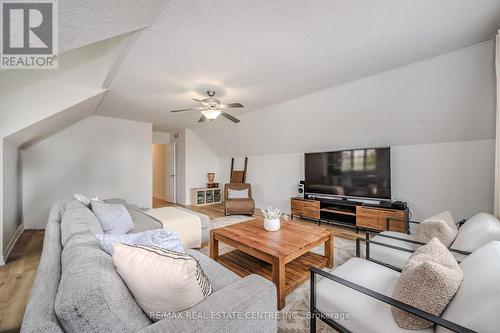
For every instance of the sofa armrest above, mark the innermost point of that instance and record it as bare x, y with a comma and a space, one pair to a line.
248, 305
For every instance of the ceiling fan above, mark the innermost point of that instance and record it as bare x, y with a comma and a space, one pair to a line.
212, 108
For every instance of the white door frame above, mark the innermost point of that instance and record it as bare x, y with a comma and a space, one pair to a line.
172, 173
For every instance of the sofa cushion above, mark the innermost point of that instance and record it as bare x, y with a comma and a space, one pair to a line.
477, 303
442, 226
114, 219
142, 221
159, 237
161, 280
91, 296
82, 198
78, 220
40, 316
429, 280
479, 230
219, 276
365, 314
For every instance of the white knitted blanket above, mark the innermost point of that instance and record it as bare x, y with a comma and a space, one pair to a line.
186, 225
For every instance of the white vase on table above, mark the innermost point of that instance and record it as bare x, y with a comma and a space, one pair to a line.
272, 224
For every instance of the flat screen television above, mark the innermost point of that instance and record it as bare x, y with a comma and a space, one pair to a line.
362, 173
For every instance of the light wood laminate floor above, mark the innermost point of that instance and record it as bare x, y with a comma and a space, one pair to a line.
16, 277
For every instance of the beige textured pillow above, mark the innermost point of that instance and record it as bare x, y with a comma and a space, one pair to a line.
161, 280
442, 226
429, 280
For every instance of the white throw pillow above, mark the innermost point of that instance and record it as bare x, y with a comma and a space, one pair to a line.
237, 194
82, 198
161, 280
477, 231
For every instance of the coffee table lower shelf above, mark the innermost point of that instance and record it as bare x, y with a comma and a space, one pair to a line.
296, 271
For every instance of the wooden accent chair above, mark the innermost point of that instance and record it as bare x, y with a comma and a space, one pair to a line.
244, 205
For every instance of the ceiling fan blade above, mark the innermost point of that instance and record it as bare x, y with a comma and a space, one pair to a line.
231, 105
228, 116
198, 100
202, 119
192, 109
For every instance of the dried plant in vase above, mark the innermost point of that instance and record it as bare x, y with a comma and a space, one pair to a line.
272, 218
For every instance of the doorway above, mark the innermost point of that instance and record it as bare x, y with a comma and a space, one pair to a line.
164, 173
159, 172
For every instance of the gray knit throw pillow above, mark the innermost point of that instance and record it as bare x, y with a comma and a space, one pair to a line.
429, 280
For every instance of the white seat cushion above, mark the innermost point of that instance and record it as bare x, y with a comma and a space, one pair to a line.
366, 313
479, 230
390, 256
237, 194
476, 305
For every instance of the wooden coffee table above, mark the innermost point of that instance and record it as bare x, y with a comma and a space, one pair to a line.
281, 256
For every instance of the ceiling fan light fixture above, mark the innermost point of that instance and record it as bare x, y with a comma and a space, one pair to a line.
211, 114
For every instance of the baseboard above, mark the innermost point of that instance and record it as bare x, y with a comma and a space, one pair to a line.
11, 244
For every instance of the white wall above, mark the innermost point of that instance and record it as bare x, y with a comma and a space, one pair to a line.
98, 156
12, 193
161, 137
200, 160
432, 177
12, 198
458, 176
274, 178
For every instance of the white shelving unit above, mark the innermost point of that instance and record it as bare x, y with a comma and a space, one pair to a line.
205, 196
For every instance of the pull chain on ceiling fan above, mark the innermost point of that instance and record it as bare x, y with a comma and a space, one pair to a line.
212, 108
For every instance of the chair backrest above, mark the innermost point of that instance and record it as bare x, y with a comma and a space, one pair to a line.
237, 187
476, 305
477, 231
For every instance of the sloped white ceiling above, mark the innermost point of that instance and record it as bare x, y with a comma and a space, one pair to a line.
444, 99
264, 52
57, 122
30, 96
83, 22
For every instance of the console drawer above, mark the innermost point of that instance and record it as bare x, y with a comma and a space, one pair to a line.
305, 208
394, 225
297, 207
367, 218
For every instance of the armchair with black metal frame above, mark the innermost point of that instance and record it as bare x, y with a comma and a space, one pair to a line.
402, 241
318, 314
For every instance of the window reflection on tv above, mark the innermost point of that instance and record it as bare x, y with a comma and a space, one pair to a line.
354, 173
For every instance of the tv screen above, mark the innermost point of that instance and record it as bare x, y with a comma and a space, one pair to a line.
354, 173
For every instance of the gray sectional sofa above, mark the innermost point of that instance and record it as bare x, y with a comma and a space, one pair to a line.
77, 288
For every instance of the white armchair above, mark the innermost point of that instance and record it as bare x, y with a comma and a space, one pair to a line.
362, 290
394, 248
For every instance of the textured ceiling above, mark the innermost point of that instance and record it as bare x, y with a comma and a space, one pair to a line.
83, 22
262, 52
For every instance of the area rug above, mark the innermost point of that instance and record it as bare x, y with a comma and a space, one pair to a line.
294, 316
228, 220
